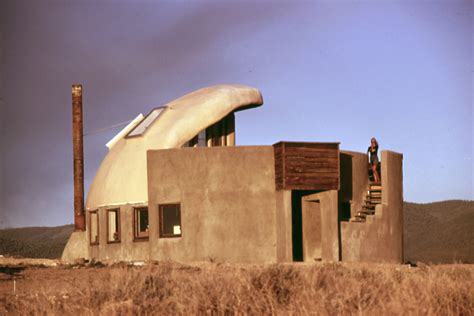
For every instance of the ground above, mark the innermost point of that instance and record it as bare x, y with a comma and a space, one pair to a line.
46, 287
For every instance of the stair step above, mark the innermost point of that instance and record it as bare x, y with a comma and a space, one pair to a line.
372, 193
369, 207
375, 186
368, 198
368, 212
372, 202
357, 220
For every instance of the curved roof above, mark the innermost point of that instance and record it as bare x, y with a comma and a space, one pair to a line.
122, 175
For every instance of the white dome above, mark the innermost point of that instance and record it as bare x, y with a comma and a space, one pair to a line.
122, 175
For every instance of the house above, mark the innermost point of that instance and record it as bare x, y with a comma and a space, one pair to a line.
174, 186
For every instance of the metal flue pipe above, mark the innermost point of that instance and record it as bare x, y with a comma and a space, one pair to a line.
78, 158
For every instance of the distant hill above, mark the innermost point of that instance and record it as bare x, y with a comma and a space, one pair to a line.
35, 242
440, 232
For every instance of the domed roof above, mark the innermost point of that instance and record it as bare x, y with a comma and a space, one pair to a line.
122, 175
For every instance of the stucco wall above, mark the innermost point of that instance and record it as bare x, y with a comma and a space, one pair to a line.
76, 247
380, 238
127, 249
328, 207
284, 228
228, 203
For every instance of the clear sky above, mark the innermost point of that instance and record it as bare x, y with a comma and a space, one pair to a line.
401, 71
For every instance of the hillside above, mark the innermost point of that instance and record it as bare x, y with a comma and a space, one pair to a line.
35, 242
439, 232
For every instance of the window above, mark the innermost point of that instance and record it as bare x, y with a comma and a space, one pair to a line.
113, 225
146, 122
197, 141
94, 227
170, 220
141, 223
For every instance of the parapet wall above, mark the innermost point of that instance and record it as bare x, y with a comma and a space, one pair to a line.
380, 238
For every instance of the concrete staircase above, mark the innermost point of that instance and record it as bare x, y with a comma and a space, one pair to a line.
373, 197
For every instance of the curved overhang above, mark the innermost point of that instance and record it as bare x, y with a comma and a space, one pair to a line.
122, 175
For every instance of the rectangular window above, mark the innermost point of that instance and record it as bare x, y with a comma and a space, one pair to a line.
94, 227
170, 220
141, 223
113, 225
141, 127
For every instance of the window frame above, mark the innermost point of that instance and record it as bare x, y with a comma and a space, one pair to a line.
160, 217
143, 119
117, 211
94, 243
136, 232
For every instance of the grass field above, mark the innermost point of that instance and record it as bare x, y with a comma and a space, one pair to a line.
219, 289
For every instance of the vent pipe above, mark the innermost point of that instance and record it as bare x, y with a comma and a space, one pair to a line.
78, 158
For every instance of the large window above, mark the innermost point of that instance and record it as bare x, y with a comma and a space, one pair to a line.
113, 225
94, 227
170, 220
141, 223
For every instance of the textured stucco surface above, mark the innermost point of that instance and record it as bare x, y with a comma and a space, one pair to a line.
121, 177
311, 220
284, 228
328, 201
76, 247
228, 203
380, 238
127, 249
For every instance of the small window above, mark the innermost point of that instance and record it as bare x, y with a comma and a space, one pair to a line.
146, 122
170, 220
113, 225
94, 227
141, 223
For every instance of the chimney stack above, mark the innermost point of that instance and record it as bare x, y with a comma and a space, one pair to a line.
78, 156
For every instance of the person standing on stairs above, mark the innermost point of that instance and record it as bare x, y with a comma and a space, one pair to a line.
373, 158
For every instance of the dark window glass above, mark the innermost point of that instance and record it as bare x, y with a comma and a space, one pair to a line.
170, 220
141, 222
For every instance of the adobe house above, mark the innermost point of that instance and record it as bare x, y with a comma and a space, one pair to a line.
174, 186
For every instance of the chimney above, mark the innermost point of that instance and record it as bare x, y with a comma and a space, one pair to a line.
78, 158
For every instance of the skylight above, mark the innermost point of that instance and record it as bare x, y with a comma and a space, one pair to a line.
146, 122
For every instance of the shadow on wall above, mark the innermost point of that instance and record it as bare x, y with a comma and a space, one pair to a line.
345, 192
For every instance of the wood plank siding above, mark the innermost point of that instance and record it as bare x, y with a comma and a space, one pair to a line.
306, 166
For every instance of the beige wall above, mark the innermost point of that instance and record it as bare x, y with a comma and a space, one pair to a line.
328, 208
228, 203
380, 238
284, 228
127, 249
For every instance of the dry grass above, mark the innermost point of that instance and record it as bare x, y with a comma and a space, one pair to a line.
222, 289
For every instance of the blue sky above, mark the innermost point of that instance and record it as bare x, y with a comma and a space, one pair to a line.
401, 71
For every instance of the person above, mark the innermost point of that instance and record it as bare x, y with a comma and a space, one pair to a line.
373, 158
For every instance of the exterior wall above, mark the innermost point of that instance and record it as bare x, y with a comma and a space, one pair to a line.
127, 249
306, 166
380, 238
284, 228
76, 247
228, 203
328, 207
